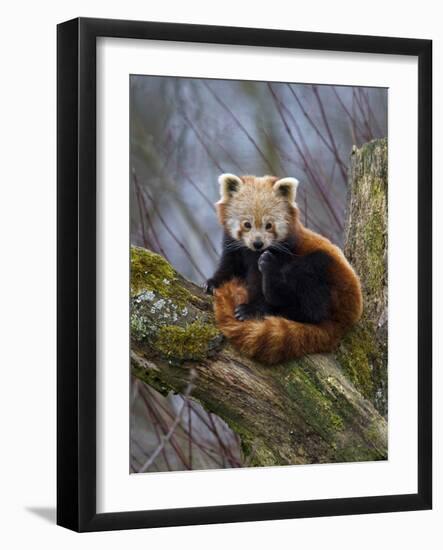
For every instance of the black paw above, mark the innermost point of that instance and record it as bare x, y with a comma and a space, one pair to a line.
267, 261
209, 286
247, 311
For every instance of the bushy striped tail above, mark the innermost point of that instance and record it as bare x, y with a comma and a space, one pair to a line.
272, 339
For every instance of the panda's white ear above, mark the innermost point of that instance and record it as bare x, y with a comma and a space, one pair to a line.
286, 187
229, 184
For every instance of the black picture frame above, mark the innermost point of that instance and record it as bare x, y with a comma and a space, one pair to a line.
76, 265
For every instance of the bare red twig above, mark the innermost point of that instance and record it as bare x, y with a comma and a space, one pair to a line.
211, 245
174, 236
241, 126
232, 160
145, 214
198, 444
281, 108
212, 427
371, 115
173, 426
153, 414
283, 154
202, 142
336, 154
329, 146
351, 117
367, 129
141, 217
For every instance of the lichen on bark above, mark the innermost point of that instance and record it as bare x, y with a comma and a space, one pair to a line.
165, 315
303, 411
318, 409
363, 352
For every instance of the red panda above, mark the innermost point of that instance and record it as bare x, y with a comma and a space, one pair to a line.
281, 291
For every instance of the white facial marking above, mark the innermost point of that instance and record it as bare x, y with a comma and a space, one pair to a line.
233, 227
252, 203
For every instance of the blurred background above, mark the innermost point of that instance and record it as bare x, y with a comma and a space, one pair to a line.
183, 134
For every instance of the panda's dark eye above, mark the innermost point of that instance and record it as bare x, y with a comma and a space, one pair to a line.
268, 226
247, 225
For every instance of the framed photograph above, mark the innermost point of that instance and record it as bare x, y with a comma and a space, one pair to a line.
244, 274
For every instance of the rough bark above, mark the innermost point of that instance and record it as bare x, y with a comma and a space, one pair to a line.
363, 354
311, 410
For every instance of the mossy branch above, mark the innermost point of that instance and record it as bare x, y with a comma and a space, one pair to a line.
364, 352
306, 411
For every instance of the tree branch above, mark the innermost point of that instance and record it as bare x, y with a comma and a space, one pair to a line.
310, 410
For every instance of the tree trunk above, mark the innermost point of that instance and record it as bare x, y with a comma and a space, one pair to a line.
364, 352
312, 410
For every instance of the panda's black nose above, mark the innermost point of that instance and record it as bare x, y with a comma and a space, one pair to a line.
258, 244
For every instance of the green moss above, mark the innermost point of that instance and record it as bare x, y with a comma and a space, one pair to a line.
192, 342
255, 453
165, 315
374, 235
151, 377
356, 354
360, 452
255, 450
363, 352
372, 432
366, 243
317, 406
331, 415
151, 272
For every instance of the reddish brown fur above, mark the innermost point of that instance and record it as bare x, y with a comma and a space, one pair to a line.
266, 182
275, 339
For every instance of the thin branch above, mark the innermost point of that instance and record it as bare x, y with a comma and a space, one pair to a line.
371, 114
140, 214
211, 245
156, 425
307, 165
352, 118
225, 151
211, 426
201, 140
146, 214
174, 236
167, 437
208, 451
368, 135
329, 146
240, 125
283, 154
156, 428
154, 414
183, 173
341, 164
219, 441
